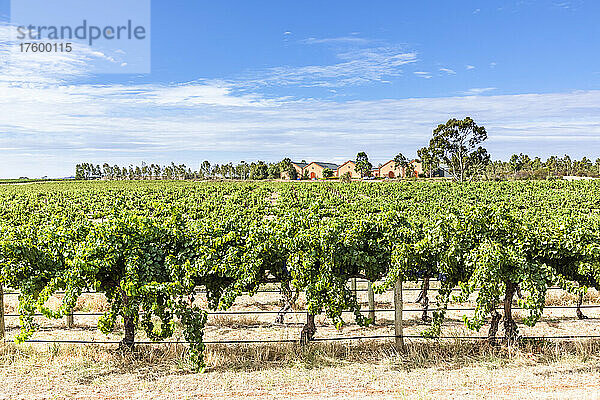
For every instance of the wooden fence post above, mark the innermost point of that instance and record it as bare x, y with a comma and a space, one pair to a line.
309, 329
398, 326
371, 296
2, 326
70, 320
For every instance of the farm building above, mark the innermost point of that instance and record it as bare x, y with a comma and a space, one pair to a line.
348, 166
417, 167
315, 169
441, 172
299, 166
389, 169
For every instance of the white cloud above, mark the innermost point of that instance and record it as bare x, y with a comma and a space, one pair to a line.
49, 122
469, 67
206, 120
337, 40
422, 74
477, 91
357, 66
32, 68
564, 5
448, 71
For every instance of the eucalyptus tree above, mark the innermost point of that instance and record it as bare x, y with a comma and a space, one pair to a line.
456, 144
363, 166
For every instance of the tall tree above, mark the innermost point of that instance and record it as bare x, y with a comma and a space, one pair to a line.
205, 169
273, 171
456, 143
363, 166
327, 173
552, 165
286, 165
429, 160
400, 161
259, 170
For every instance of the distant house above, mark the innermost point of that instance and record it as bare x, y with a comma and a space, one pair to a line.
389, 170
441, 172
348, 166
314, 170
417, 167
299, 166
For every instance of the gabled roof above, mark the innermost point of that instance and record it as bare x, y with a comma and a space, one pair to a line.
300, 164
349, 161
384, 164
325, 165
410, 162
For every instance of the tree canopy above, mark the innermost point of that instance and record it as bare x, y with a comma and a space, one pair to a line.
456, 144
363, 166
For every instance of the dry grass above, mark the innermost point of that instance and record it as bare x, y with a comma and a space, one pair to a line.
323, 370
562, 298
450, 354
238, 321
91, 303
365, 368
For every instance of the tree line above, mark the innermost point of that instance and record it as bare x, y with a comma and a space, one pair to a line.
455, 149
243, 170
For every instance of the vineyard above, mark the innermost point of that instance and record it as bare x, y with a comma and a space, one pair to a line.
169, 261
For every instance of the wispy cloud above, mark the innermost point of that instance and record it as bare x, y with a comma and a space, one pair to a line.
119, 123
448, 71
32, 68
478, 91
51, 122
422, 74
354, 67
338, 40
564, 5
469, 67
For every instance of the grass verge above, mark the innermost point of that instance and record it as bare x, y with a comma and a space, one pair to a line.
170, 358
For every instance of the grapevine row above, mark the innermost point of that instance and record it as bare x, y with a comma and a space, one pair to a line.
148, 246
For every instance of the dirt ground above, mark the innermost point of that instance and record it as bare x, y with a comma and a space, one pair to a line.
354, 369
88, 373
255, 326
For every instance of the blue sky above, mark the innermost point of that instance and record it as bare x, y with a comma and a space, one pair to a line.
233, 80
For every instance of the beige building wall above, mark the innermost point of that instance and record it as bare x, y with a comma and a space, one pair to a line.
418, 167
315, 171
348, 166
388, 170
